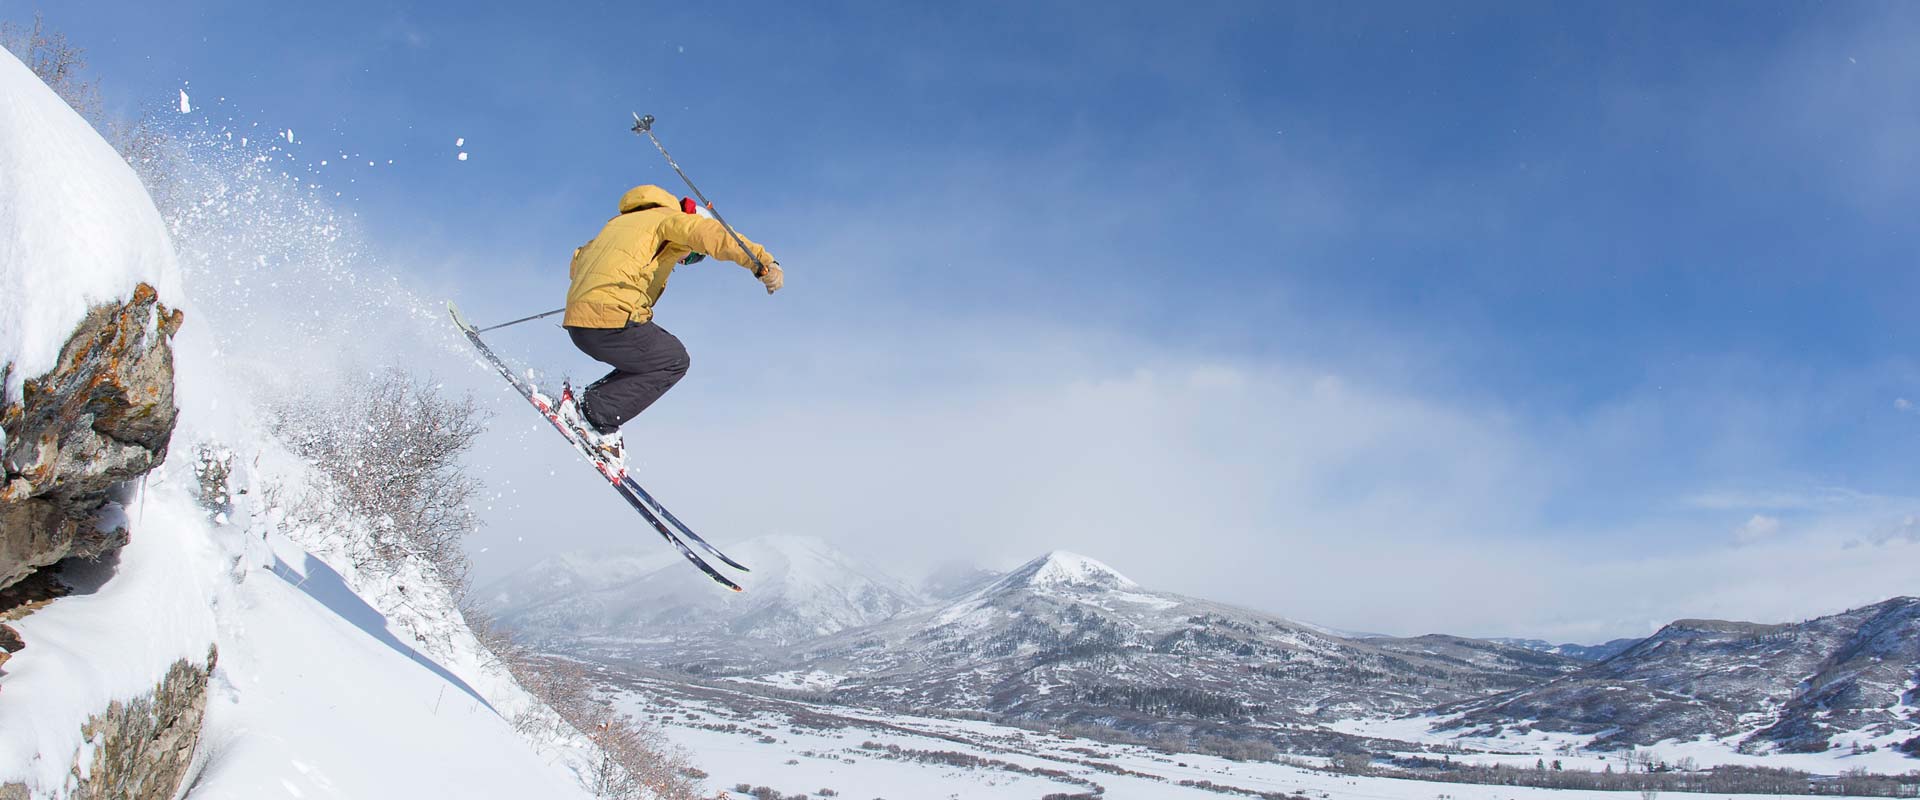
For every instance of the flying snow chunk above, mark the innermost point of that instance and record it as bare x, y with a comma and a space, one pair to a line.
463, 156
460, 142
186, 107
289, 135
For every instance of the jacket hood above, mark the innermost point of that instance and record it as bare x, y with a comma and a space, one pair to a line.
647, 196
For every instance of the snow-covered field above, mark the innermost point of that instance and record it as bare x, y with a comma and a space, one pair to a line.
1523, 749
800, 748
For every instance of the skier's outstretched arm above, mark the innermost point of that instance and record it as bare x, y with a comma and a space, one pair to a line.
703, 235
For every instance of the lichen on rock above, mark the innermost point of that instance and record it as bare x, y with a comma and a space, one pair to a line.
102, 416
141, 749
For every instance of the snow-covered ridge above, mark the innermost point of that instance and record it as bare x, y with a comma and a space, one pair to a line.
76, 227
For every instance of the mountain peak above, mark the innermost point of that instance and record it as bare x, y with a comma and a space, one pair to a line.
1063, 570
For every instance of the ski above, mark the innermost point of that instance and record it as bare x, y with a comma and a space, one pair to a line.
566, 394
697, 538
622, 483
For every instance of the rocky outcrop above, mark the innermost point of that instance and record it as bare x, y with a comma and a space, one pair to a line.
103, 415
142, 749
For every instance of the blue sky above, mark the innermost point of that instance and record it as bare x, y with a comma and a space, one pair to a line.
1621, 278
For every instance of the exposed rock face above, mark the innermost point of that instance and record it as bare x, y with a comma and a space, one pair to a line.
142, 749
102, 416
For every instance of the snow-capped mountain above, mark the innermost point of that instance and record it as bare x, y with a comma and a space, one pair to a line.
1066, 638
1791, 687
653, 608
1583, 652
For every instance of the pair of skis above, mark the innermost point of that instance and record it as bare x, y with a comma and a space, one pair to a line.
629, 489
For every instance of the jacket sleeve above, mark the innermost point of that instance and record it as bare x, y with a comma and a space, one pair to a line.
707, 236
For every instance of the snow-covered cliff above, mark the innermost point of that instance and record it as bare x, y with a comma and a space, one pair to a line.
228, 649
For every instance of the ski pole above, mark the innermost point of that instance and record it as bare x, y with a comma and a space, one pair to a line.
520, 320
645, 125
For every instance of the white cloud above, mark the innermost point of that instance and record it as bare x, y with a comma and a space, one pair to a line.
1902, 404
1823, 498
1757, 528
1308, 491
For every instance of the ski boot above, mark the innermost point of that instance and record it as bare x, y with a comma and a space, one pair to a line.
607, 447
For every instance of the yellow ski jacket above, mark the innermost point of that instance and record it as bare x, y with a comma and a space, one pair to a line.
619, 275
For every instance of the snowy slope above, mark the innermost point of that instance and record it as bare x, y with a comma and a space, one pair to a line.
329, 682
321, 695
111, 641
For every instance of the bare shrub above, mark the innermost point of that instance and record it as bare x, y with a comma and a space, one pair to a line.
56, 61
212, 472
634, 760
389, 450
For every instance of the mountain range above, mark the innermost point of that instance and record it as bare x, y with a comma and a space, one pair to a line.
1790, 687
643, 608
1066, 639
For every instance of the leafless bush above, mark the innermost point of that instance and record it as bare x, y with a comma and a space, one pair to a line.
634, 759
389, 451
58, 62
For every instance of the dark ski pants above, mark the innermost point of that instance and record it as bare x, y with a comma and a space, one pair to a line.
646, 361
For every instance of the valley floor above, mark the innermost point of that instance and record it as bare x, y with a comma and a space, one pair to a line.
1523, 749
799, 748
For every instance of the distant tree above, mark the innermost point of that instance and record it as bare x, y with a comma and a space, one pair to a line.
57, 61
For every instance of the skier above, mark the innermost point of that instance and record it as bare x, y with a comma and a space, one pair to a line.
609, 312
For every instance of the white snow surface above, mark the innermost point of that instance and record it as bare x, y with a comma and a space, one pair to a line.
331, 681
321, 695
1523, 749
76, 227
796, 747
148, 611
